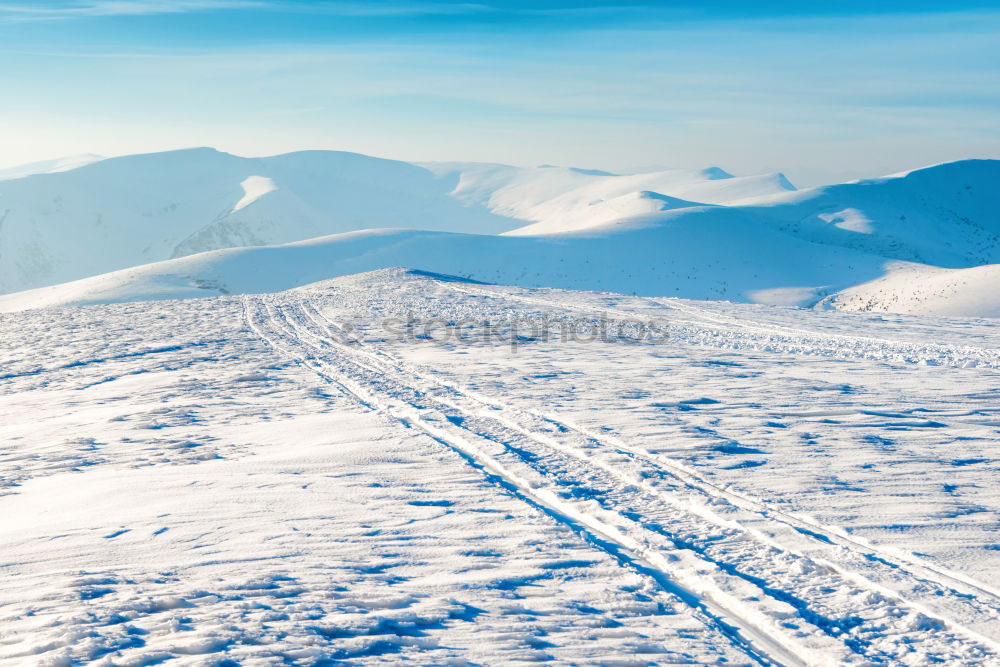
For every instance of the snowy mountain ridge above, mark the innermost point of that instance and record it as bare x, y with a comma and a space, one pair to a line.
137, 209
54, 166
701, 234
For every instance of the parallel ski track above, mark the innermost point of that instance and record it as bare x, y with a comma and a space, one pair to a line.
916, 567
756, 644
709, 579
886, 574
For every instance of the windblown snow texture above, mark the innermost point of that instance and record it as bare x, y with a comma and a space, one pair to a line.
399, 467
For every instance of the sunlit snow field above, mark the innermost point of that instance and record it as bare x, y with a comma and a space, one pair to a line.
397, 467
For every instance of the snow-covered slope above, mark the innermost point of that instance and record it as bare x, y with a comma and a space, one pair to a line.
946, 215
137, 209
49, 166
393, 469
696, 234
67, 219
926, 290
705, 253
563, 199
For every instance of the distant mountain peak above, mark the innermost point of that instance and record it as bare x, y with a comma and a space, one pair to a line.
592, 172
784, 182
716, 173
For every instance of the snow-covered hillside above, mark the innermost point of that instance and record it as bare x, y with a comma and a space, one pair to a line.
401, 468
48, 166
60, 223
704, 253
563, 199
925, 290
137, 209
947, 215
700, 234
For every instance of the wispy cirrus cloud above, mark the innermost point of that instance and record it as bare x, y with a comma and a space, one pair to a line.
521, 81
63, 10
48, 11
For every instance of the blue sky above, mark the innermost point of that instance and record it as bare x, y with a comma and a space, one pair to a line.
822, 94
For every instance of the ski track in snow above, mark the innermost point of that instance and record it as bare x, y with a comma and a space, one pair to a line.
635, 545
642, 540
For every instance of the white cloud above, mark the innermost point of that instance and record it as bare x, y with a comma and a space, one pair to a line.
41, 12
94, 8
